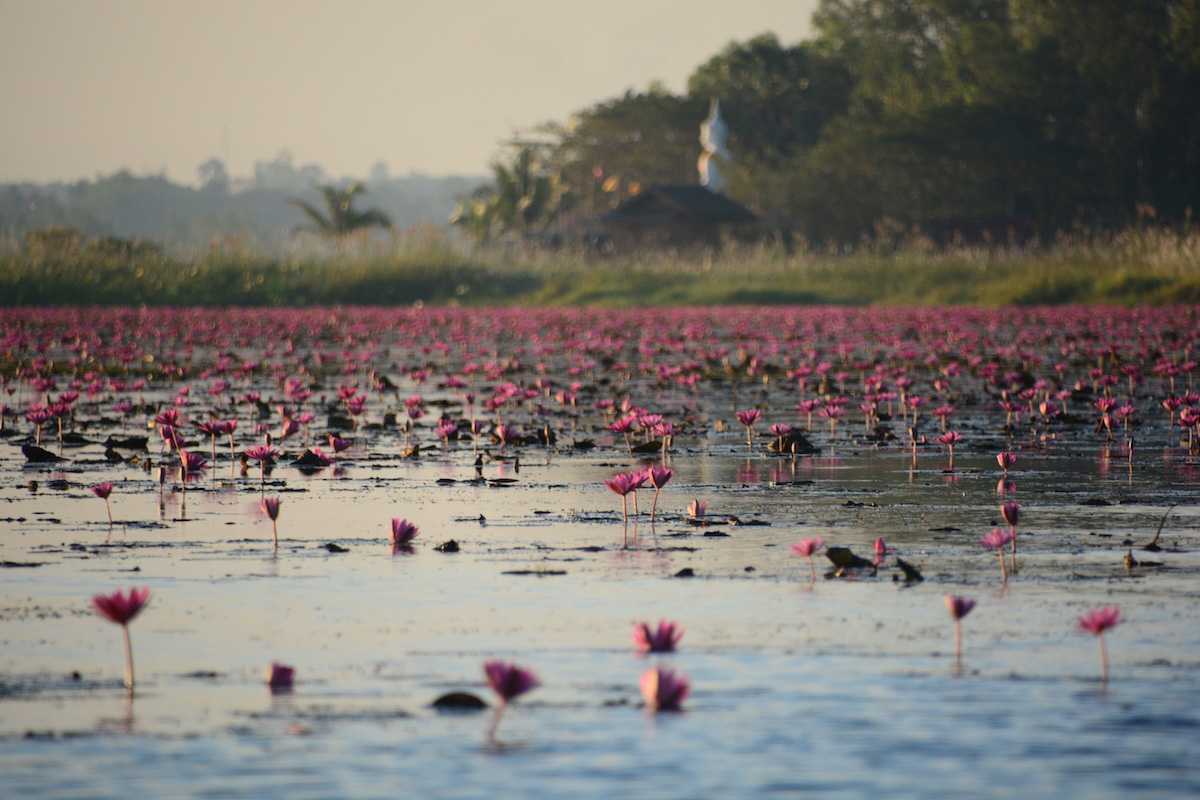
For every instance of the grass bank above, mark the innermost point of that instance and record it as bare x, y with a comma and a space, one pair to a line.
1140, 266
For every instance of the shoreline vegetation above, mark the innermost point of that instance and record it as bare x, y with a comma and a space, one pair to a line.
1144, 265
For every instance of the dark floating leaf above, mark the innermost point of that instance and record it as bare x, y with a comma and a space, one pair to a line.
333, 547
911, 573
21, 564
449, 546
1095, 501
648, 447
686, 572
844, 559
716, 534
540, 573
459, 702
747, 523
310, 460
794, 442
37, 455
129, 443
946, 529
446, 481
112, 456
583, 444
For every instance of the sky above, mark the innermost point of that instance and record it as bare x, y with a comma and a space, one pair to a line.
92, 86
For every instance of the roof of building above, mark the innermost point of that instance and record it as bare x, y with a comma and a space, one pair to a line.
680, 203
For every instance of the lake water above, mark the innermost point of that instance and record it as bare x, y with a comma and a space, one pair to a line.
842, 687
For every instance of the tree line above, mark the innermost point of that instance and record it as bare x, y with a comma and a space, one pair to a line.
972, 117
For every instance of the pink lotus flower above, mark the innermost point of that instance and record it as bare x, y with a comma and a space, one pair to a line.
280, 677
658, 475
270, 507
1011, 511
121, 609
103, 490
958, 607
623, 483
509, 681
881, 550
264, 454
191, 462
660, 640
996, 541
338, 443
806, 548
1101, 619
403, 532
1006, 460
1096, 622
664, 690
748, 417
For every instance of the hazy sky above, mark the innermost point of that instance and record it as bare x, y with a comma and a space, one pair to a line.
89, 86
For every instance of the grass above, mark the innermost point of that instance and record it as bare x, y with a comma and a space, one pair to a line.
1151, 266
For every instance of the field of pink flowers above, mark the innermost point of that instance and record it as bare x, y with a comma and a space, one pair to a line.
939, 550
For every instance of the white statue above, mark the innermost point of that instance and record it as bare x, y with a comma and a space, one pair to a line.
713, 135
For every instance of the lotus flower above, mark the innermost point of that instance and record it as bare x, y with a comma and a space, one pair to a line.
103, 490
660, 640
508, 680
623, 483
806, 548
403, 532
664, 690
1096, 622
996, 541
748, 417
697, 508
270, 507
121, 609
958, 607
658, 475
280, 677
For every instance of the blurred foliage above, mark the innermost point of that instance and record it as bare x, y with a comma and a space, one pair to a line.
1141, 264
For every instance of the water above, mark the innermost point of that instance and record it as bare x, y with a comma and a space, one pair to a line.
838, 688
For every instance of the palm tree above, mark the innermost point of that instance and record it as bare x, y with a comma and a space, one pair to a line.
342, 219
524, 199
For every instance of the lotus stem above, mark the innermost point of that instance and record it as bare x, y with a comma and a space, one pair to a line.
128, 660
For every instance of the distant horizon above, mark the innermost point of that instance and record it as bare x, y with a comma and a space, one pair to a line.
158, 88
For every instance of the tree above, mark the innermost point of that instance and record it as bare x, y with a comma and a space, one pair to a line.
525, 198
213, 176
342, 218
